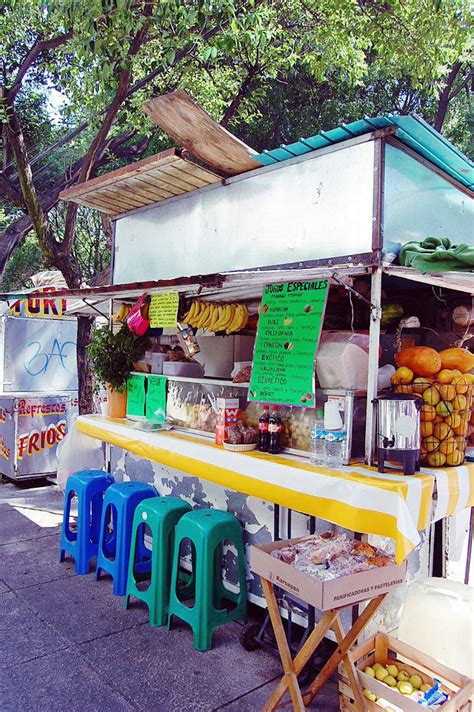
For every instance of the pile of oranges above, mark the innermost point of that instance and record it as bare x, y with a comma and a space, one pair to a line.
446, 419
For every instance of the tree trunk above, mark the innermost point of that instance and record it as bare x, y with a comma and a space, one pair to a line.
86, 392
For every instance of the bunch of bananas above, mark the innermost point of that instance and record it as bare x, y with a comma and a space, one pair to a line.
120, 316
217, 317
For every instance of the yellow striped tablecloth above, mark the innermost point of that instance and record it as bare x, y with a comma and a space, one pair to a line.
356, 497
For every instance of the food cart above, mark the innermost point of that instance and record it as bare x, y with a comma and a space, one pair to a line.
38, 384
336, 207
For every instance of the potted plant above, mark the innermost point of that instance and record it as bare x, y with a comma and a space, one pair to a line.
111, 358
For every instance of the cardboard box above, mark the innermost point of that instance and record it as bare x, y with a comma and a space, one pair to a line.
227, 413
340, 592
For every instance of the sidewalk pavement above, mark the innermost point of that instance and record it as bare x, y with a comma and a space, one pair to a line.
66, 642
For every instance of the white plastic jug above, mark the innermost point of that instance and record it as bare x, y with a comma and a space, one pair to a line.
438, 619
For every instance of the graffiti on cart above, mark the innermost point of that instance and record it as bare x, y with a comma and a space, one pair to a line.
36, 441
4, 450
60, 355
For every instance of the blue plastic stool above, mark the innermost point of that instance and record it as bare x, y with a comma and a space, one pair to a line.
89, 486
120, 502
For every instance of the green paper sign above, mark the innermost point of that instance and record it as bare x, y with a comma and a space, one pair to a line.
289, 328
163, 311
136, 395
156, 398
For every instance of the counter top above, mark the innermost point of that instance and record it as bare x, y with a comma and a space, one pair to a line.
356, 497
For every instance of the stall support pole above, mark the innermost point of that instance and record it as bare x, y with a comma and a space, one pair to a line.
374, 342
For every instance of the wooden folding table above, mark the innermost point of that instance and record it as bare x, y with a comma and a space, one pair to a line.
293, 666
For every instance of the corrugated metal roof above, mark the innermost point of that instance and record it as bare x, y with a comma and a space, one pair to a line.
411, 130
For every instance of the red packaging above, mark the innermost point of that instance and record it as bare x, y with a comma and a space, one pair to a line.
227, 413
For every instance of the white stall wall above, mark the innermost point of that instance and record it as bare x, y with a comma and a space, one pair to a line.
419, 203
277, 216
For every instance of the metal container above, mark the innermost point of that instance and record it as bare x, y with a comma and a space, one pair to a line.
37, 355
31, 426
398, 430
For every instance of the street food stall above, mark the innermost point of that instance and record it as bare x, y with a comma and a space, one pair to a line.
281, 285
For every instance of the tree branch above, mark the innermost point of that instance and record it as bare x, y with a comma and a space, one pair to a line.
239, 97
38, 48
180, 55
10, 193
444, 97
38, 218
463, 84
14, 234
124, 78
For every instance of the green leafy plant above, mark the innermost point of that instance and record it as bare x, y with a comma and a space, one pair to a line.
111, 355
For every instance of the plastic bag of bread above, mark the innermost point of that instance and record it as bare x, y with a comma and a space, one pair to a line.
243, 376
234, 436
249, 435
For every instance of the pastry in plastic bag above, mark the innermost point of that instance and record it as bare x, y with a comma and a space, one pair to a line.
243, 376
249, 435
234, 436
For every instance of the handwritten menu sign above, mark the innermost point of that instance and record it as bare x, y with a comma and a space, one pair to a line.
289, 328
163, 311
156, 398
136, 395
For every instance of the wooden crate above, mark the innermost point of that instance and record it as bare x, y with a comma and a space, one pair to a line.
386, 650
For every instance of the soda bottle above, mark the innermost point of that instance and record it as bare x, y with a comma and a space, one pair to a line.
263, 429
274, 431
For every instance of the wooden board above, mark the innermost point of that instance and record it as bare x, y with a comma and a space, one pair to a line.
145, 182
190, 126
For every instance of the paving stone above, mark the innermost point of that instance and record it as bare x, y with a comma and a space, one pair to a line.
326, 701
23, 563
161, 670
16, 526
57, 682
23, 634
81, 608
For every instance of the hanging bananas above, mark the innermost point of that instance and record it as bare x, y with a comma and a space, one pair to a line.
217, 317
120, 316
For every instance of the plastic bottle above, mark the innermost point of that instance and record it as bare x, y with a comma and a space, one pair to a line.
318, 444
335, 435
263, 435
274, 431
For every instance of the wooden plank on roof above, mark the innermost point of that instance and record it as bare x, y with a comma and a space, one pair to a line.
147, 191
160, 180
101, 205
145, 182
178, 115
178, 179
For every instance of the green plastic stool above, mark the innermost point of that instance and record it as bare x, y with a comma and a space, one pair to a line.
160, 514
207, 529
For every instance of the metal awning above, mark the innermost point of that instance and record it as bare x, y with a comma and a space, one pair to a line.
145, 182
410, 130
227, 286
241, 285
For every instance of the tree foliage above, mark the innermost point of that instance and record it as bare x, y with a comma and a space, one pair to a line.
270, 69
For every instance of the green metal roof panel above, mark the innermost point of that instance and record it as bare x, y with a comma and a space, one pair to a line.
411, 130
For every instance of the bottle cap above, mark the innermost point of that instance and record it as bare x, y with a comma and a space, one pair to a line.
320, 413
266, 407
275, 407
